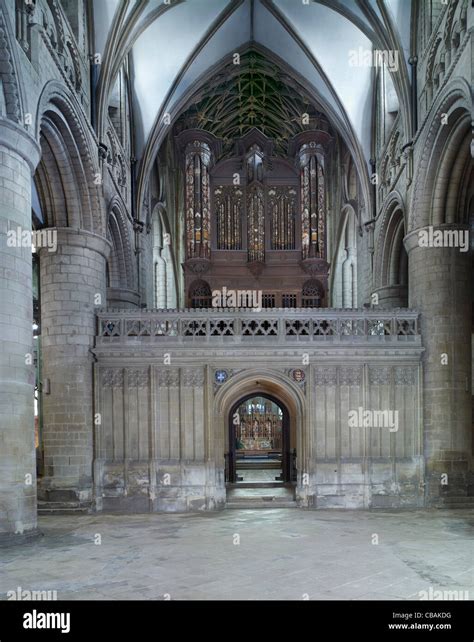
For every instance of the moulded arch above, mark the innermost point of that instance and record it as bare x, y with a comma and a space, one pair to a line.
70, 162
346, 237
122, 268
260, 381
449, 125
391, 233
164, 254
342, 125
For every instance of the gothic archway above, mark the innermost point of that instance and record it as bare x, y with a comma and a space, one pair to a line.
165, 293
391, 259
259, 440
268, 382
439, 206
73, 283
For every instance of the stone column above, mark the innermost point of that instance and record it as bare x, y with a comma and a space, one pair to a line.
349, 297
392, 296
19, 155
73, 286
440, 288
159, 273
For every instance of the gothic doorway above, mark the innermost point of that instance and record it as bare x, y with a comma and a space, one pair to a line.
259, 441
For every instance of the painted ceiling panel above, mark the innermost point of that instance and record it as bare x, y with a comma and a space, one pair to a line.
104, 11
401, 12
331, 40
272, 35
162, 50
354, 8
229, 38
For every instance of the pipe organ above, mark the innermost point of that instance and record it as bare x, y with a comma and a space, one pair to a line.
256, 220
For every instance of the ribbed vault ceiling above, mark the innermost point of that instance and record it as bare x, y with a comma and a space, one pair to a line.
253, 94
174, 48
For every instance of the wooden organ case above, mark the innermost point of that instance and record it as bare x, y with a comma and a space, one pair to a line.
256, 220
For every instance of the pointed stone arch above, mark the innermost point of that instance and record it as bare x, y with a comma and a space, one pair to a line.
121, 286
69, 162
343, 284
165, 282
261, 381
440, 287
445, 150
391, 259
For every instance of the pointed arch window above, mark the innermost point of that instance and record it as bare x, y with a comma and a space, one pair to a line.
255, 165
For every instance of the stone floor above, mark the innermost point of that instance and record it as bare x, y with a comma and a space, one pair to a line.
247, 554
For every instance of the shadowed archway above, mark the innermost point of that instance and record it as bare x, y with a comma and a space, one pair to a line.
259, 440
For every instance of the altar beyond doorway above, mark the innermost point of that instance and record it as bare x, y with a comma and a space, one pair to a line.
259, 441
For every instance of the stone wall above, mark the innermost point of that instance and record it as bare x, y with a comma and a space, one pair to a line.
365, 466
162, 427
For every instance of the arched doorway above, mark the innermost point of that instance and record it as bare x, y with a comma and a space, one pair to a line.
259, 441
276, 386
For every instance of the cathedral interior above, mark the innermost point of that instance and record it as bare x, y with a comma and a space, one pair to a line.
236, 273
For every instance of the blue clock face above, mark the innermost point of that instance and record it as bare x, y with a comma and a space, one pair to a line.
221, 376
